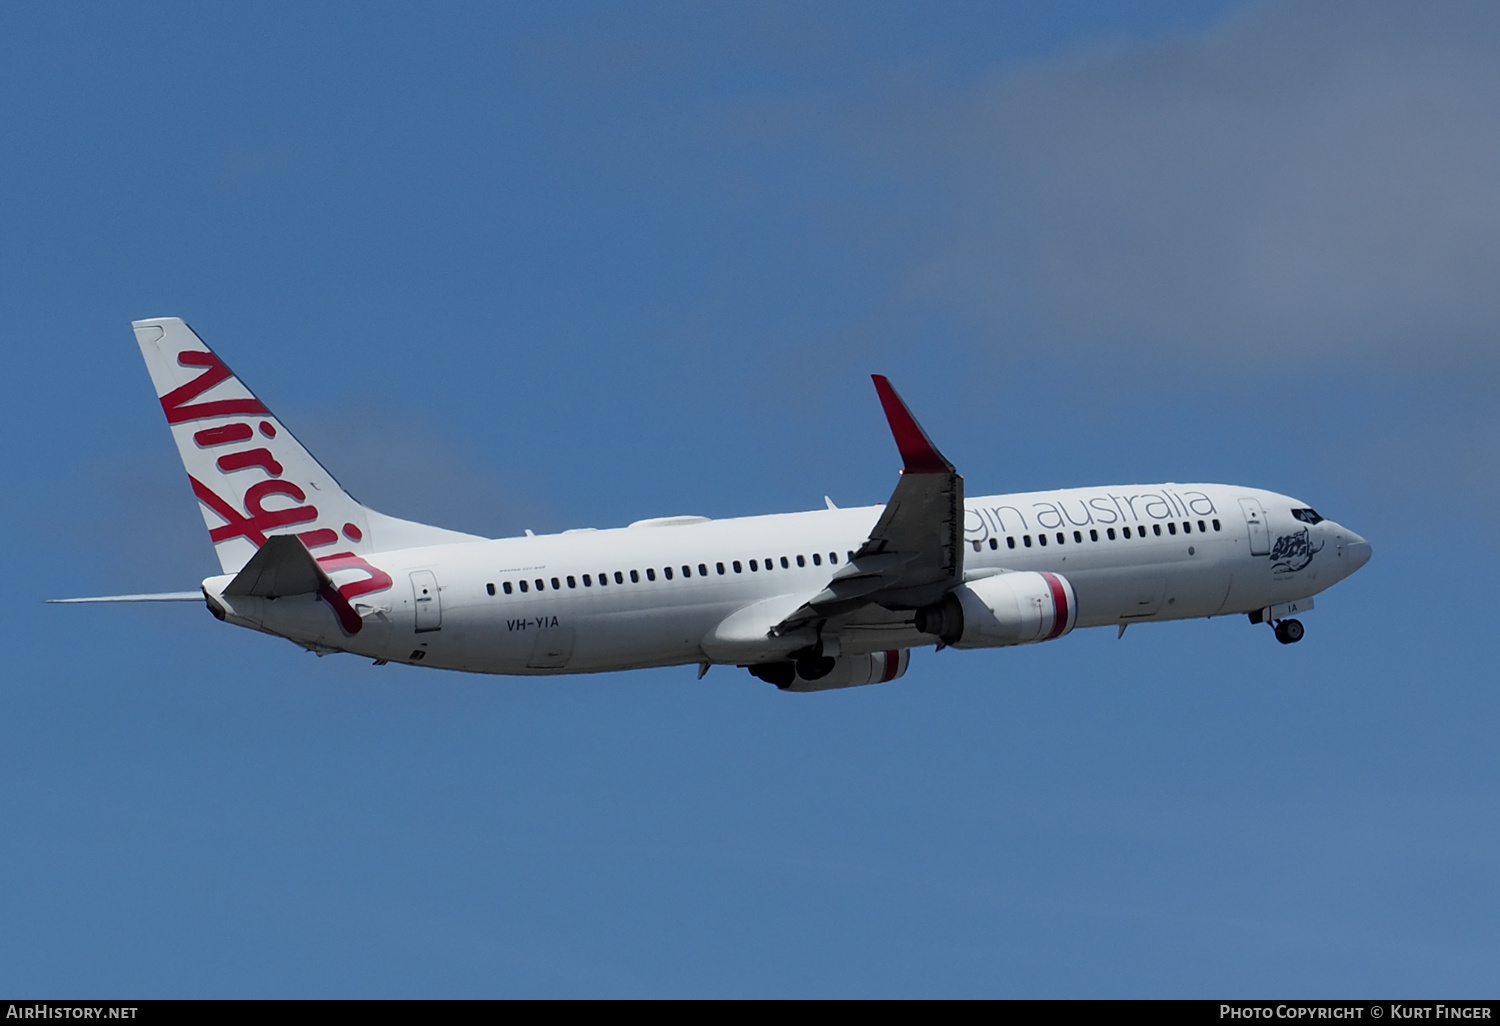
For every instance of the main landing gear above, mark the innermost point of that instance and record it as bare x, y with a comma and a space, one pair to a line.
1288, 632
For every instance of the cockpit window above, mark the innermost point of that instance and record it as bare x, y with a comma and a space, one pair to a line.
1307, 516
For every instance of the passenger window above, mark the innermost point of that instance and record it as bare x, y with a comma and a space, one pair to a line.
572, 581
556, 585
1216, 525
1010, 541
635, 577
1078, 536
490, 588
736, 565
995, 544
1126, 530
1109, 532
1187, 527
721, 568
1093, 535
667, 572
703, 569
588, 582
1202, 529
1041, 539
753, 567
604, 580
687, 570
770, 563
650, 573
1171, 528
1027, 539
785, 563
524, 588
833, 558
619, 577
801, 561
817, 559
1156, 530
505, 587
977, 544
1061, 537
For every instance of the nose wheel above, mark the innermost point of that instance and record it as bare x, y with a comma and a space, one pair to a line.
1288, 632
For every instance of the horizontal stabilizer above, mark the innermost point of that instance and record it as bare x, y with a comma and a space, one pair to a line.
282, 566
163, 596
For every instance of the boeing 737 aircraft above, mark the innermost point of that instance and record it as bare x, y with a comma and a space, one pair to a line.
831, 598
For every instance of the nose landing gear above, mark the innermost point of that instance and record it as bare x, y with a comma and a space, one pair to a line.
1288, 632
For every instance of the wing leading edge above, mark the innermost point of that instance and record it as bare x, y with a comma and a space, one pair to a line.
914, 554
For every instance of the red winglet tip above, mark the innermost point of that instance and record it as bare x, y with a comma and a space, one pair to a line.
917, 451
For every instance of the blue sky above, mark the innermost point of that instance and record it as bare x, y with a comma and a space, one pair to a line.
563, 265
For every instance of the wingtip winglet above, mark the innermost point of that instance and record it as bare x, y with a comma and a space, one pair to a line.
918, 453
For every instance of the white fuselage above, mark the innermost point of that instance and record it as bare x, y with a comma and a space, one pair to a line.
650, 594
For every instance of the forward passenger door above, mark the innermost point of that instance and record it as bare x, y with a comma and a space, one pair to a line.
1255, 524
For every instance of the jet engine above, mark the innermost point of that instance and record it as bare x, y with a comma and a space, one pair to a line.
822, 673
1007, 609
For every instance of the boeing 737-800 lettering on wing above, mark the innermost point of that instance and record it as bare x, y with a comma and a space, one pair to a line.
807, 601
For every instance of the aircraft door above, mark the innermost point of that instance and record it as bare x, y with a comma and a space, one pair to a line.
424, 590
1255, 523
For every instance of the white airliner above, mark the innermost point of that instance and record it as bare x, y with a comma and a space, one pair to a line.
830, 598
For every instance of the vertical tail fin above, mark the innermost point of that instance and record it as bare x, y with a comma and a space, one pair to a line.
253, 479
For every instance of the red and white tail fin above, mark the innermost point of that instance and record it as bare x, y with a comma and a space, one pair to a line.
253, 479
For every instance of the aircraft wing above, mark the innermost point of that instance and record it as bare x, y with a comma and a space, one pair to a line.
914, 554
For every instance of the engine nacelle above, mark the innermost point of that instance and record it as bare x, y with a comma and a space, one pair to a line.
822, 673
1007, 609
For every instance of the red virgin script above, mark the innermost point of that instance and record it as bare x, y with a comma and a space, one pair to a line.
255, 520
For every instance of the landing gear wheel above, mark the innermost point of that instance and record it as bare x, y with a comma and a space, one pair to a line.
1289, 632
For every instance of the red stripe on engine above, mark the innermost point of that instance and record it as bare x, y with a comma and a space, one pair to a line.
1059, 605
892, 665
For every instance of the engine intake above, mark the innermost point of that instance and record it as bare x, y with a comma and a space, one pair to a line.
1008, 609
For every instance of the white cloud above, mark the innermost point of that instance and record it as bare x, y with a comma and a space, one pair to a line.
1304, 178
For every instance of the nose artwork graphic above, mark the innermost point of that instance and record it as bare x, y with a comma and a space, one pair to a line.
1293, 552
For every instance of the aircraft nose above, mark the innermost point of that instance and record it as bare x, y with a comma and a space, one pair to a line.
1357, 551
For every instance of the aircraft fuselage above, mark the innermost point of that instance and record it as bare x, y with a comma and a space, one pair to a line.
650, 594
